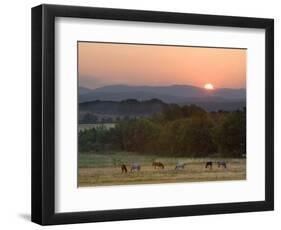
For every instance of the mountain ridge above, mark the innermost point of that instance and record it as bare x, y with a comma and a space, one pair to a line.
169, 94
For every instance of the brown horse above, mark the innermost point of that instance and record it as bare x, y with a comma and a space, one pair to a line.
209, 164
157, 165
124, 168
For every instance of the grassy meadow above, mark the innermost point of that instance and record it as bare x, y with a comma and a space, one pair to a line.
101, 169
82, 127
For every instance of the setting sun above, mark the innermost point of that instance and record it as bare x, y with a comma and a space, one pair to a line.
209, 86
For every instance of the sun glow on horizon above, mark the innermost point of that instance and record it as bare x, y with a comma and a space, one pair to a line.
208, 86
106, 63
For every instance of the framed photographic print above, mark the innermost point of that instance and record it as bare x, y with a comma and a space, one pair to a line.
142, 114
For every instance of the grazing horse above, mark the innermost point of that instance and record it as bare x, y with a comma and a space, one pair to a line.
124, 168
157, 165
209, 164
221, 163
135, 167
180, 166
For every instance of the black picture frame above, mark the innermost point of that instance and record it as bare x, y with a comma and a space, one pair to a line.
43, 110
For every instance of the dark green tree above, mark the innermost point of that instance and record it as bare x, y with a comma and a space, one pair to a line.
230, 134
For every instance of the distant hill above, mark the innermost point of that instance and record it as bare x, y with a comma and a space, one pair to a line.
112, 111
129, 107
180, 94
84, 90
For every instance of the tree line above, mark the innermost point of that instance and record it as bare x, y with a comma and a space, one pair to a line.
187, 131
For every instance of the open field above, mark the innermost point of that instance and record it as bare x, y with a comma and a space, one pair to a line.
99, 125
104, 169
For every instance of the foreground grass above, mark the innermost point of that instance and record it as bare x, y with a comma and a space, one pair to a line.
104, 169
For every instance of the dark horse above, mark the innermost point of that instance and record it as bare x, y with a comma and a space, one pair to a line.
124, 168
209, 164
157, 165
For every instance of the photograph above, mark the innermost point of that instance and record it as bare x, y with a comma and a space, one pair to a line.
129, 105
153, 113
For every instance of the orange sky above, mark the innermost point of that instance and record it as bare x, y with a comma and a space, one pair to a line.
108, 63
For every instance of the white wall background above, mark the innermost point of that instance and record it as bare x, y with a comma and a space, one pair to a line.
15, 167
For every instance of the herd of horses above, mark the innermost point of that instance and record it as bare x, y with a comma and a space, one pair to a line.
179, 166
